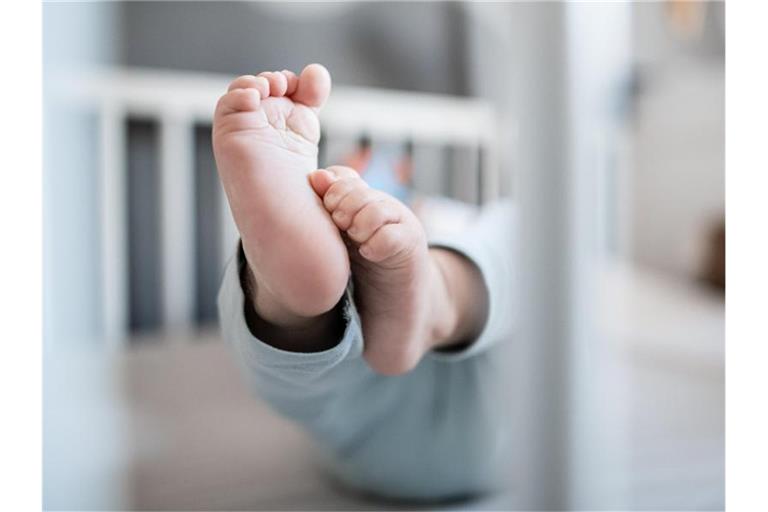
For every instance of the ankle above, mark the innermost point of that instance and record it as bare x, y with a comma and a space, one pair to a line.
460, 299
283, 330
442, 318
291, 312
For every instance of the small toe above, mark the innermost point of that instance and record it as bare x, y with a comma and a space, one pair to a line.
339, 190
321, 180
352, 203
259, 83
262, 85
292, 80
242, 82
278, 83
342, 171
371, 218
238, 100
388, 241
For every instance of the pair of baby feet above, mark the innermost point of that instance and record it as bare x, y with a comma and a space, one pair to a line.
305, 230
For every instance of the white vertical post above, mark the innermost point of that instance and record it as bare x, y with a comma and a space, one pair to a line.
539, 363
113, 205
598, 54
177, 220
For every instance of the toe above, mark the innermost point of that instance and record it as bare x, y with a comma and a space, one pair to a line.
314, 86
242, 82
342, 171
251, 82
352, 204
262, 85
237, 100
388, 241
339, 190
371, 218
321, 180
278, 83
292, 80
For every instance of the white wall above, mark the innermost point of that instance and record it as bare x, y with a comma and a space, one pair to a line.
679, 141
679, 166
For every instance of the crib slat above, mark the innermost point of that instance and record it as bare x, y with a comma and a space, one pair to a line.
177, 220
490, 181
114, 265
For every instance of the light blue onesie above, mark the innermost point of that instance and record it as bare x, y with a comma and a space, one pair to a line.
438, 432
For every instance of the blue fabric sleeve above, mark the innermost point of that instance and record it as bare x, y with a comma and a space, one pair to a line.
295, 383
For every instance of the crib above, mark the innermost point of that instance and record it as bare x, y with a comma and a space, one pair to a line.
173, 110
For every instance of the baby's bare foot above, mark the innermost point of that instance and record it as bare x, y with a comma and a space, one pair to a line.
391, 268
265, 135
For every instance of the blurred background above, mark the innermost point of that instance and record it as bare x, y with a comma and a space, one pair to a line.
603, 122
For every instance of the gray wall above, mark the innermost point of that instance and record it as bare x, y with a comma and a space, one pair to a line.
414, 46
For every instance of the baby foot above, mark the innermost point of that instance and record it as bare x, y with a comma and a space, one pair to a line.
391, 268
265, 135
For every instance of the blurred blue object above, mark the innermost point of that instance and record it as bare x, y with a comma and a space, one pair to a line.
381, 172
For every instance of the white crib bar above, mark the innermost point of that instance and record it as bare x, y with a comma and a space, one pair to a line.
490, 169
177, 219
114, 264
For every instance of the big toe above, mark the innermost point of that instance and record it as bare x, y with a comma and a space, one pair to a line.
314, 86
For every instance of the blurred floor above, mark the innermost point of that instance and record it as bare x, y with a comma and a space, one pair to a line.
170, 424
669, 335
200, 440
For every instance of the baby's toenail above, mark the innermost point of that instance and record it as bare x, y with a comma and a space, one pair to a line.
338, 214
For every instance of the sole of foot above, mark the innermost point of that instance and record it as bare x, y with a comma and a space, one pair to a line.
265, 135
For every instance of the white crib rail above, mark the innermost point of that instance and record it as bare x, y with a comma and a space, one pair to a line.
176, 225
179, 100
